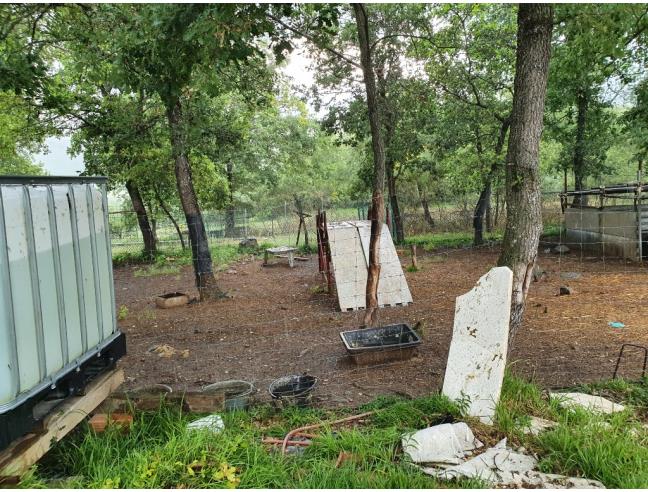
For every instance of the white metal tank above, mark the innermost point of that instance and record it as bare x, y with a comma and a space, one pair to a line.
58, 326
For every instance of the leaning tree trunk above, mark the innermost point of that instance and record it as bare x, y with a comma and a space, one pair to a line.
523, 198
377, 145
393, 200
579, 148
426, 206
168, 213
150, 243
202, 261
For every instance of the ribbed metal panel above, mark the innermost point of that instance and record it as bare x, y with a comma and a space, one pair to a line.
57, 300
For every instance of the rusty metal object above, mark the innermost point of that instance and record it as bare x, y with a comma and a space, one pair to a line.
300, 430
645, 360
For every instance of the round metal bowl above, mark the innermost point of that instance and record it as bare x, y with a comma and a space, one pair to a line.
237, 393
293, 390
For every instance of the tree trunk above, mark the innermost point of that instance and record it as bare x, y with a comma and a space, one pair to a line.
489, 215
167, 212
393, 200
153, 222
582, 104
150, 244
523, 198
482, 209
377, 199
497, 207
426, 206
230, 213
299, 205
202, 261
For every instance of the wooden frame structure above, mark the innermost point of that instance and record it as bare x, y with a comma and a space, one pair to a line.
27, 450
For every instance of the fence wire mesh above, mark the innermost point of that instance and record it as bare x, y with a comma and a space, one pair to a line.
281, 225
281, 320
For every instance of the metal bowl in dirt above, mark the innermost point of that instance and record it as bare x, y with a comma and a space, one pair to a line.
236, 392
292, 390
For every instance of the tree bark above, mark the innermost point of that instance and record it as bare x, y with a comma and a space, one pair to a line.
202, 261
393, 200
482, 209
582, 103
426, 206
489, 214
523, 198
299, 205
377, 145
230, 213
150, 243
168, 213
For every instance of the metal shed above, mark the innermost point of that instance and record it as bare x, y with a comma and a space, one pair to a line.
58, 325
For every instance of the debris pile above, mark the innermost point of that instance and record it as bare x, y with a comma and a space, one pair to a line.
503, 466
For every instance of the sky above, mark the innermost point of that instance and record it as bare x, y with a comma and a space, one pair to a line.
58, 162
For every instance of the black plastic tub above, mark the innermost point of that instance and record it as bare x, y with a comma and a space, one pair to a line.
382, 344
292, 390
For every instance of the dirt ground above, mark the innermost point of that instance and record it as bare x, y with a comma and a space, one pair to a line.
278, 322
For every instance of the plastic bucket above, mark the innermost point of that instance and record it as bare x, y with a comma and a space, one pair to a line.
237, 393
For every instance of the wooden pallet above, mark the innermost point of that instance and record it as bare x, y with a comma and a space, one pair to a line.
26, 451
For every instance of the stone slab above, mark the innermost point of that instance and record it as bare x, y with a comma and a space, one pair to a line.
477, 356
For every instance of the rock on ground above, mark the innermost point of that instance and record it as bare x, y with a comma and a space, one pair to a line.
564, 291
561, 249
249, 242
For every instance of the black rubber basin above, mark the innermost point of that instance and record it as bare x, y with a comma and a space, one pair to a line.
382, 344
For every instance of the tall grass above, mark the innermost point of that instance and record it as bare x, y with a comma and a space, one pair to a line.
610, 448
159, 451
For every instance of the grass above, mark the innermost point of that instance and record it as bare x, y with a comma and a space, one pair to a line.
448, 240
610, 448
170, 262
159, 452
463, 239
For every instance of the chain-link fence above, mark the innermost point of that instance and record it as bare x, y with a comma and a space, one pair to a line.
281, 225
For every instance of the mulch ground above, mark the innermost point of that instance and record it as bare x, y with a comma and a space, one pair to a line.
279, 322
